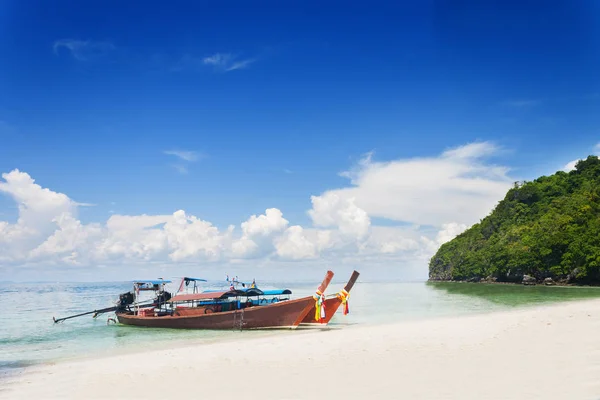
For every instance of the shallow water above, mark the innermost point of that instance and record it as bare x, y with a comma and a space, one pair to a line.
29, 336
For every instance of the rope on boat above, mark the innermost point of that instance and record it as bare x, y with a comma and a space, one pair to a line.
343, 295
319, 305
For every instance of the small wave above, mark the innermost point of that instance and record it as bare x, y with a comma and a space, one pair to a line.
12, 368
17, 364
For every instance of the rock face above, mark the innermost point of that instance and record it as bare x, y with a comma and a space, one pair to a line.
529, 280
439, 271
514, 275
549, 281
573, 275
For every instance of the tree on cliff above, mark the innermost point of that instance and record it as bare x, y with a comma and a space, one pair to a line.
546, 228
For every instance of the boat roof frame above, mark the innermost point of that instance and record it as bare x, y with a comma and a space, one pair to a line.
187, 278
150, 281
217, 295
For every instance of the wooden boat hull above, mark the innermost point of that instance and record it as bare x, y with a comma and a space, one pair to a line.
286, 314
331, 305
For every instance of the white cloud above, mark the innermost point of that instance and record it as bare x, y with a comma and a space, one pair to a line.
83, 50
226, 62
271, 221
184, 155
190, 237
457, 186
570, 166
331, 210
218, 59
244, 247
435, 198
294, 245
239, 64
33, 200
450, 231
175, 237
392, 240
258, 233
38, 209
324, 240
70, 238
471, 151
48, 231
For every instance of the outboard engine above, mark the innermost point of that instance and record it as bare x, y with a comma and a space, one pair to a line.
125, 299
162, 297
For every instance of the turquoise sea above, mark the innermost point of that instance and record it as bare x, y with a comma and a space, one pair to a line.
28, 335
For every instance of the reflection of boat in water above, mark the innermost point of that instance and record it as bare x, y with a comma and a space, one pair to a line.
332, 303
232, 309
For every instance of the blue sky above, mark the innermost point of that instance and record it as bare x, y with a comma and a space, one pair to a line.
275, 100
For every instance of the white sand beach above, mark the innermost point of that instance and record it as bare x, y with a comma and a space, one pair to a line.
548, 352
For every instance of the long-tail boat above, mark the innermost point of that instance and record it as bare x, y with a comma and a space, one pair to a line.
319, 315
128, 298
216, 310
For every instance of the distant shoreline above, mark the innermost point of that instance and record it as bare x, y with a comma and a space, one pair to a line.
537, 283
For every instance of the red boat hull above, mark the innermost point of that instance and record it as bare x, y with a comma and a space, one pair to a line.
286, 314
331, 305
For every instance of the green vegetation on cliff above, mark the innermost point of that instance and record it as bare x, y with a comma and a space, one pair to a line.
546, 228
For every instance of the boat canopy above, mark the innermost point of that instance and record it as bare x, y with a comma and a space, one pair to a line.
246, 292
276, 292
151, 282
254, 292
219, 295
198, 296
187, 278
240, 292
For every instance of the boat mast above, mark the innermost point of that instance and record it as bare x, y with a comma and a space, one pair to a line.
136, 292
